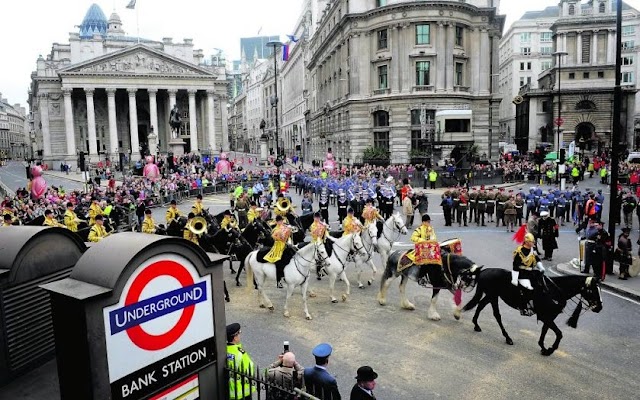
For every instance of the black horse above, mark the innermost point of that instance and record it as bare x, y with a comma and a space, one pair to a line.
494, 283
302, 223
445, 277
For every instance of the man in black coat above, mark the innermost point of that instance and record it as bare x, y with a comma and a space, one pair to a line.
365, 383
548, 232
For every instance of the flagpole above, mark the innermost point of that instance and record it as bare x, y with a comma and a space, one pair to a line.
138, 23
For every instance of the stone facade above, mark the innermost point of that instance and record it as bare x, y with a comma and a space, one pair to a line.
105, 94
585, 78
375, 69
14, 131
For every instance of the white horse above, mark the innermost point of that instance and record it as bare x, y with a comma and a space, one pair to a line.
369, 237
337, 263
392, 228
296, 273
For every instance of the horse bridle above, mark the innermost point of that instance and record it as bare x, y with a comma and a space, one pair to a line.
355, 248
393, 229
368, 251
315, 253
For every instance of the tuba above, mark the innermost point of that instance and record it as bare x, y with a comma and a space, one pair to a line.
283, 207
198, 226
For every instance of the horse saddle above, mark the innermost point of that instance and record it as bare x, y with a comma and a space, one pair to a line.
262, 253
404, 262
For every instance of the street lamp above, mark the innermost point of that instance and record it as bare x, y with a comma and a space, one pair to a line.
558, 121
274, 103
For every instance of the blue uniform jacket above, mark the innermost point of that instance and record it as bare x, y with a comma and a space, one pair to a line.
321, 383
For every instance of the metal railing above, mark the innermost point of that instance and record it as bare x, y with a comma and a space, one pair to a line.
263, 386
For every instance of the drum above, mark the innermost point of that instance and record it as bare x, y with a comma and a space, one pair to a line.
453, 246
428, 253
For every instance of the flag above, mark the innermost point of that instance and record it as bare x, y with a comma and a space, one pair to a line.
131, 5
293, 38
285, 52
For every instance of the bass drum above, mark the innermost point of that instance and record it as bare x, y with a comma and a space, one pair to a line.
634, 269
453, 246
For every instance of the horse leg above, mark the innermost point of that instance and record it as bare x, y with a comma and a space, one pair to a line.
264, 299
543, 333
498, 317
303, 289
404, 302
556, 344
332, 283
359, 275
457, 300
233, 271
344, 278
373, 274
240, 268
432, 312
290, 288
226, 292
481, 305
384, 287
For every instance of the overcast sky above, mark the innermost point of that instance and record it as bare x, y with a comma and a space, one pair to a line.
31, 26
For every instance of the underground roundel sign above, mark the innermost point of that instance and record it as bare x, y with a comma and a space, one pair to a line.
161, 328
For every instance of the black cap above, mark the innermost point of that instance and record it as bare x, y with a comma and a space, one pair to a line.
366, 374
173, 202
369, 200
426, 217
232, 331
626, 230
350, 210
99, 218
191, 215
227, 212
279, 218
69, 204
317, 214
147, 211
7, 217
199, 197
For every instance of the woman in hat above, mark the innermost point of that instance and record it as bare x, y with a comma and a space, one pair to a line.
365, 383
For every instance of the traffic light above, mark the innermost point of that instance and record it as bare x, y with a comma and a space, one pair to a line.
81, 162
563, 156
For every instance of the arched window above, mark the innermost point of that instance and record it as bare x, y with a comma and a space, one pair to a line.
572, 9
380, 119
585, 105
601, 8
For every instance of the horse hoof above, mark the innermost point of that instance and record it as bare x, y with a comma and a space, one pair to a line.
456, 314
262, 306
238, 284
312, 294
360, 286
369, 282
334, 300
546, 352
233, 271
477, 328
344, 297
308, 317
228, 300
409, 307
286, 314
435, 317
272, 308
509, 342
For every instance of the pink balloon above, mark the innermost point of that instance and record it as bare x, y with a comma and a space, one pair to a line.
38, 184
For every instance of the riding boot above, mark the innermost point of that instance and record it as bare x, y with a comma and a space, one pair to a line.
514, 277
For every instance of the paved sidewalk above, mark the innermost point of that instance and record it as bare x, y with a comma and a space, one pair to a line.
628, 288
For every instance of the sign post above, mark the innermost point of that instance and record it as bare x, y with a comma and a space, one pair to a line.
141, 317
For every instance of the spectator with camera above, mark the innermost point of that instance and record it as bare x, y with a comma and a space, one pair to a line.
287, 373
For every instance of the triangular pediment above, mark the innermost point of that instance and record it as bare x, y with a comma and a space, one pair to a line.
136, 60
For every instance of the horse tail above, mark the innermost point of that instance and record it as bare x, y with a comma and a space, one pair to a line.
247, 265
573, 319
474, 301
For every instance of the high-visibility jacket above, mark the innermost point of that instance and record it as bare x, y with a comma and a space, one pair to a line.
238, 360
433, 176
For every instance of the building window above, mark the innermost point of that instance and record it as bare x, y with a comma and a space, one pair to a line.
600, 74
459, 36
586, 105
572, 75
586, 49
380, 119
525, 37
521, 66
459, 76
628, 30
585, 75
381, 3
627, 77
522, 81
627, 60
381, 140
546, 37
422, 73
601, 8
545, 65
572, 9
457, 125
423, 34
382, 39
416, 138
545, 106
525, 51
546, 50
628, 45
382, 77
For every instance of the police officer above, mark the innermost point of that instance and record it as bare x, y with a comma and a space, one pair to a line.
238, 361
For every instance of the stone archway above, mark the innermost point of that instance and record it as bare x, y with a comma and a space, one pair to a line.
585, 133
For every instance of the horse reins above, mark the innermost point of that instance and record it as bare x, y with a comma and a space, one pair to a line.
393, 229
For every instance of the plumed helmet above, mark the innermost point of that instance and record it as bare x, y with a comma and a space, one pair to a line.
529, 238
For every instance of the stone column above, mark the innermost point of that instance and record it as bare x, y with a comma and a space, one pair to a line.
395, 69
475, 61
91, 122
594, 48
611, 40
153, 110
451, 33
68, 123
113, 123
485, 60
193, 121
44, 120
133, 124
225, 125
579, 48
211, 119
441, 56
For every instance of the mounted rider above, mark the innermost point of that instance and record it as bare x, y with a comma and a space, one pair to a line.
423, 233
94, 211
172, 213
351, 224
527, 269
187, 233
228, 222
254, 212
197, 207
281, 234
370, 213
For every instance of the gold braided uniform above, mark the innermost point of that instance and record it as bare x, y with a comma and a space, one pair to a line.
278, 211
71, 220
171, 214
148, 225
370, 214
50, 221
318, 231
252, 214
522, 261
94, 211
280, 236
423, 233
350, 225
187, 234
196, 209
97, 233
228, 222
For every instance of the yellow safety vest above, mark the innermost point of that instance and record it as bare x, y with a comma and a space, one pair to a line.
239, 360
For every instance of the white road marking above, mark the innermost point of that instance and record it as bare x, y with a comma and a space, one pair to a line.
606, 291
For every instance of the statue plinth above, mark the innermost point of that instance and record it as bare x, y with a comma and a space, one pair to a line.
176, 145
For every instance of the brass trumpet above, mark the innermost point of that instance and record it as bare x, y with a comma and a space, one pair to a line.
198, 226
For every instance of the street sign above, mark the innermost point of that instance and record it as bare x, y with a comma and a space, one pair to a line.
161, 326
559, 121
